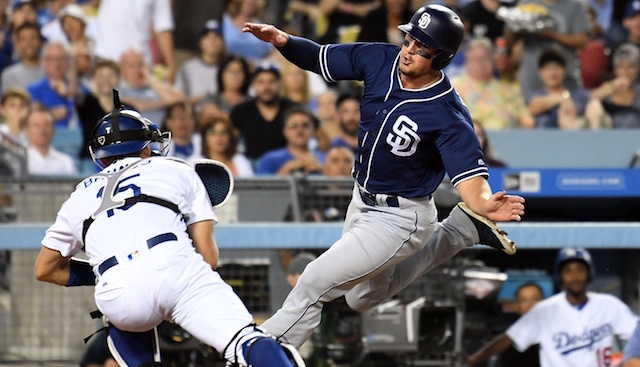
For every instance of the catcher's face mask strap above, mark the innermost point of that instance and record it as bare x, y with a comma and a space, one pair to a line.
115, 123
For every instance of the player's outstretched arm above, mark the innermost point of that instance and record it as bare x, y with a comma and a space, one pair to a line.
201, 234
498, 207
267, 33
495, 346
301, 51
633, 362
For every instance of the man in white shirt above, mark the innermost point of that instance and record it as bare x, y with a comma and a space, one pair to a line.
122, 28
42, 158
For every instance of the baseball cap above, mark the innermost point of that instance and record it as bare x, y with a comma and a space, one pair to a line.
267, 66
211, 25
633, 8
19, 3
74, 11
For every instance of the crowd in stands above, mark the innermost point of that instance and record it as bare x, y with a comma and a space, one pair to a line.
572, 66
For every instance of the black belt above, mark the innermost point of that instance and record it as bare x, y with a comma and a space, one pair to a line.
151, 242
370, 199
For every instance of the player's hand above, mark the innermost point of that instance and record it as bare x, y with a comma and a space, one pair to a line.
504, 208
267, 33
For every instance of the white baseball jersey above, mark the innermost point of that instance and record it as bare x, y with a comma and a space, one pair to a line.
122, 232
170, 281
571, 336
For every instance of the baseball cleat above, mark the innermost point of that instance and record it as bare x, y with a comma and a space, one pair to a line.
488, 232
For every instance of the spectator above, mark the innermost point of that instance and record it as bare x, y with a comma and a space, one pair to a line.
327, 113
504, 68
302, 18
144, 92
339, 162
220, 142
52, 92
631, 23
68, 25
616, 104
14, 108
489, 156
555, 106
120, 30
24, 11
498, 104
28, 69
381, 24
261, 119
233, 80
73, 25
568, 32
348, 107
566, 324
602, 11
296, 87
42, 158
238, 13
340, 15
197, 76
481, 19
527, 296
186, 142
93, 105
295, 84
296, 156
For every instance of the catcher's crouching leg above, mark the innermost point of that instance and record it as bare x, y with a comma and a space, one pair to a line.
131, 349
261, 350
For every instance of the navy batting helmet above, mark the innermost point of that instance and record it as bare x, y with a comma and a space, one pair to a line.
124, 132
570, 254
438, 27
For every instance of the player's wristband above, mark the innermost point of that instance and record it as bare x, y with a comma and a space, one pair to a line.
81, 273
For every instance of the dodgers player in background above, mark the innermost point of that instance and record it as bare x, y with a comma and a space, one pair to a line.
413, 128
575, 328
146, 224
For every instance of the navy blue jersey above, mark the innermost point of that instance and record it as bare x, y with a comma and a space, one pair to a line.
408, 138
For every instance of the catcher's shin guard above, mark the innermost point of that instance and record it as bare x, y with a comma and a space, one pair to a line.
266, 352
131, 349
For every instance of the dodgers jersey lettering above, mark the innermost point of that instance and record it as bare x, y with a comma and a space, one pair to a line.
123, 231
574, 337
415, 134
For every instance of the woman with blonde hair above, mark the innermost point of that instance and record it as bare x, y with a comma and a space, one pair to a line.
295, 84
220, 142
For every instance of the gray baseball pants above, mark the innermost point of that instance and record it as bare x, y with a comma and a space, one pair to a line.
382, 250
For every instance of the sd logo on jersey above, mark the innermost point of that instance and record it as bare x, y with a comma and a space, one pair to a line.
405, 140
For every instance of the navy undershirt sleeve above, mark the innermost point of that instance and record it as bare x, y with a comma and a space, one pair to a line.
302, 52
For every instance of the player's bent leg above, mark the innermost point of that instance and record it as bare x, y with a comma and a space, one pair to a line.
450, 237
131, 349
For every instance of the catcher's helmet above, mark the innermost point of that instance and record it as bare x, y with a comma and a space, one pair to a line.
570, 254
438, 27
123, 132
